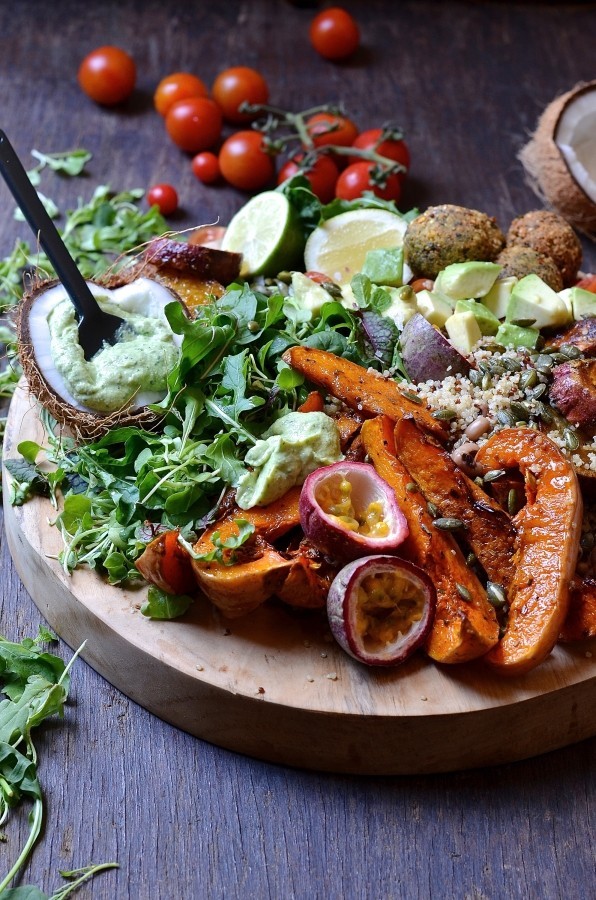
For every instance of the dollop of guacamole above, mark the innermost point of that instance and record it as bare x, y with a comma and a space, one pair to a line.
140, 360
291, 449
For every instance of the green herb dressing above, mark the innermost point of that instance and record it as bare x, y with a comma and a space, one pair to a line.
291, 449
140, 361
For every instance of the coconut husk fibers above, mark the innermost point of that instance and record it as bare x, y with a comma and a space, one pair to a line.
547, 172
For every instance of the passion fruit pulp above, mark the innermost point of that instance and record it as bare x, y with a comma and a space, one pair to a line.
347, 510
380, 609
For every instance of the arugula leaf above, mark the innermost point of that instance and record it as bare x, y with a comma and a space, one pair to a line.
27, 482
160, 605
368, 200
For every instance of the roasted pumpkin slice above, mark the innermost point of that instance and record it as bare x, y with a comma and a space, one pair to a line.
548, 530
580, 622
360, 389
487, 530
309, 578
465, 624
256, 572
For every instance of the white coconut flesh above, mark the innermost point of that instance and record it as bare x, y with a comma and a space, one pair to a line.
575, 137
142, 296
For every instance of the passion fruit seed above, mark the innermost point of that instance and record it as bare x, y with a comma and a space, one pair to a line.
347, 510
380, 609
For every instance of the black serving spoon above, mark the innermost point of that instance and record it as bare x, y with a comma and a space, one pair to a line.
95, 325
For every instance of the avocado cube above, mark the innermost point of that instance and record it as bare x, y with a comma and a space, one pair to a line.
498, 297
466, 280
510, 335
532, 300
463, 331
583, 303
385, 266
434, 308
488, 323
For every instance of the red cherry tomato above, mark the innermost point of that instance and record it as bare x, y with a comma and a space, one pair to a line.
178, 86
206, 167
237, 85
334, 33
318, 277
391, 148
244, 162
322, 175
356, 179
107, 75
165, 197
331, 128
194, 124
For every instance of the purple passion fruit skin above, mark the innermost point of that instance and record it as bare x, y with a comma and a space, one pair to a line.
381, 609
348, 511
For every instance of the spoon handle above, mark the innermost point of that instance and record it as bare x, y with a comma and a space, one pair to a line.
24, 193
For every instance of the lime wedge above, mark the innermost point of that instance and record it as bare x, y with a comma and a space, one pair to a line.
338, 247
267, 231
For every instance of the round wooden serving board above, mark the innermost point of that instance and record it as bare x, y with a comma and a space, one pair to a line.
275, 686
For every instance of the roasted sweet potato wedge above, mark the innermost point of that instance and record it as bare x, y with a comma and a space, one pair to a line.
488, 531
360, 389
196, 259
548, 530
465, 625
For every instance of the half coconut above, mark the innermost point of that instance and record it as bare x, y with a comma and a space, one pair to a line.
136, 295
560, 158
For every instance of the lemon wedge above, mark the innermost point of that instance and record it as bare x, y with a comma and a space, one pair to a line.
268, 234
338, 247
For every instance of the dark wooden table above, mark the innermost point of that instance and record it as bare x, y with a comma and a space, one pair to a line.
184, 819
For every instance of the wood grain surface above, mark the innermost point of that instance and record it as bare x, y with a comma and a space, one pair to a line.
183, 818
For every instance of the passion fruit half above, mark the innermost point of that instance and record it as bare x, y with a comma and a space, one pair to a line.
49, 387
381, 609
347, 510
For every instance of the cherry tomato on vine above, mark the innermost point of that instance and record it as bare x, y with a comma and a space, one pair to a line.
322, 175
163, 196
237, 85
334, 33
194, 124
178, 86
356, 179
244, 162
206, 167
392, 148
331, 128
107, 75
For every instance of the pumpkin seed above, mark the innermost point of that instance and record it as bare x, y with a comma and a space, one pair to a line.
470, 559
536, 392
493, 475
571, 439
505, 418
433, 509
410, 396
512, 502
523, 323
487, 381
463, 592
448, 524
444, 414
520, 411
475, 376
528, 379
570, 351
412, 487
496, 594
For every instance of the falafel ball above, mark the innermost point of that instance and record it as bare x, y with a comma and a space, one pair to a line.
520, 261
448, 234
549, 233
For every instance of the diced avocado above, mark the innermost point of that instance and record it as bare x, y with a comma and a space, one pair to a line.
510, 335
533, 301
308, 294
565, 296
487, 323
385, 266
347, 297
433, 307
583, 303
498, 297
466, 280
403, 305
463, 331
